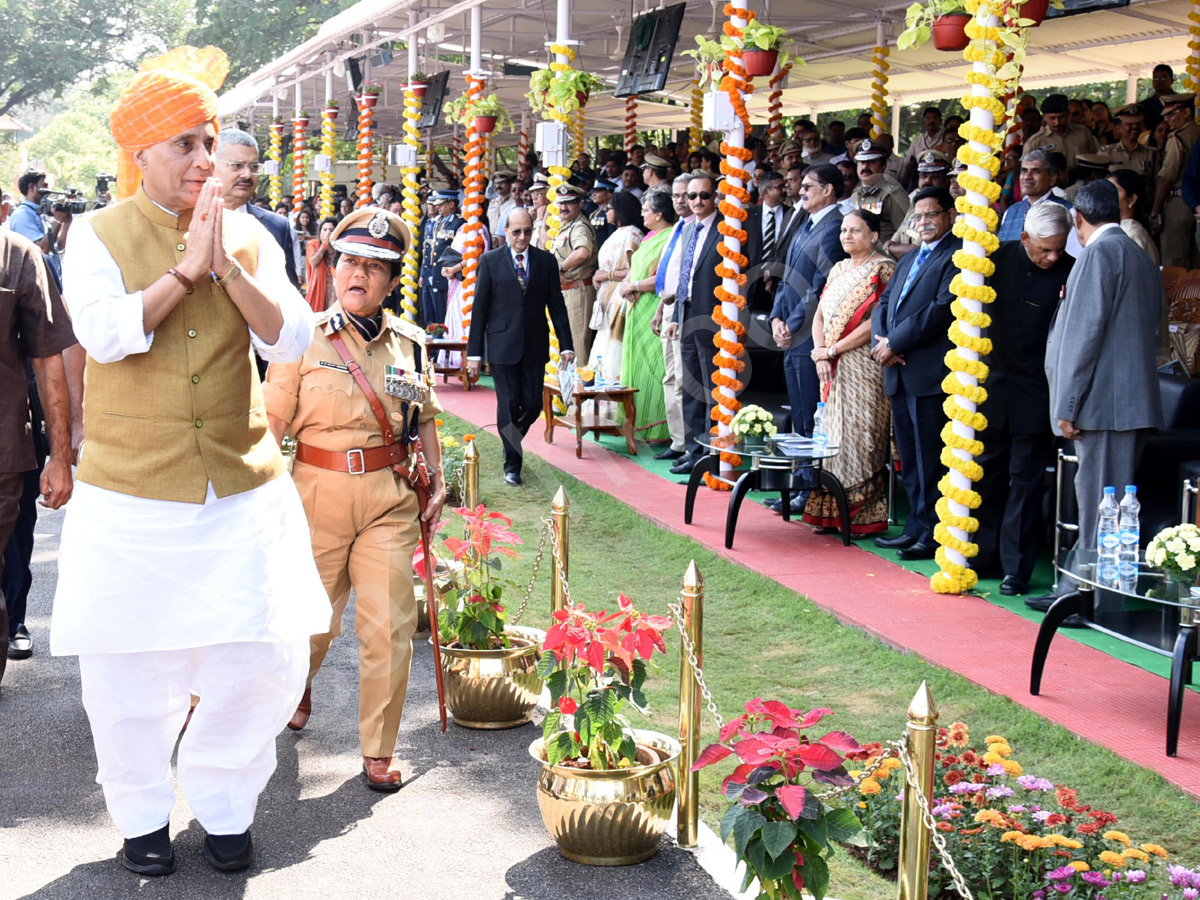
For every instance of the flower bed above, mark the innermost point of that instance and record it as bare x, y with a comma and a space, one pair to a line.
1014, 836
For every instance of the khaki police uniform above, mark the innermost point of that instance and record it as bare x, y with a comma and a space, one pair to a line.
1179, 222
578, 293
1143, 160
1078, 139
887, 200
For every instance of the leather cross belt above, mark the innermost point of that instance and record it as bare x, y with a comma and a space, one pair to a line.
356, 462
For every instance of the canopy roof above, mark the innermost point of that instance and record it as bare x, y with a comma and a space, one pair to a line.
836, 37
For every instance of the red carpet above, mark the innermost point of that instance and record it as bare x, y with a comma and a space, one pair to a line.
1102, 699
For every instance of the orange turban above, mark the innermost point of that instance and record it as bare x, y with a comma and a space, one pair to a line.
169, 95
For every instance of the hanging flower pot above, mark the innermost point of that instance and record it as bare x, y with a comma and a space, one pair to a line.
367, 101
485, 124
759, 62
949, 32
420, 87
1030, 9
331, 113
302, 121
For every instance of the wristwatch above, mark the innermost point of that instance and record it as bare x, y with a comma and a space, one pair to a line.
832, 350
234, 271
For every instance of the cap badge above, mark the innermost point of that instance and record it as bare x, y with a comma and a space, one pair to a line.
378, 227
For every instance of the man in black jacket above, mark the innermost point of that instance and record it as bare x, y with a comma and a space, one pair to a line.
514, 287
910, 331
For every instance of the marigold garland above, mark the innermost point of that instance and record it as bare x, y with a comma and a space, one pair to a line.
275, 154
299, 131
411, 201
328, 135
630, 122
1192, 81
559, 175
473, 208
879, 91
775, 104
696, 123
366, 147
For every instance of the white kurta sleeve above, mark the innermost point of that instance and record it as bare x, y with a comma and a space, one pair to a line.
296, 333
107, 319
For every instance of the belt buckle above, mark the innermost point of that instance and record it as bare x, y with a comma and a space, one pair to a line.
351, 455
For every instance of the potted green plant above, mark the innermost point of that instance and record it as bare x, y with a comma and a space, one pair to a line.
486, 113
605, 789
710, 61
752, 425
368, 93
565, 91
301, 118
490, 668
418, 83
762, 48
943, 20
782, 830
330, 109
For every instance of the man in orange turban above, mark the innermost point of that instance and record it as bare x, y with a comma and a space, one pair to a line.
185, 564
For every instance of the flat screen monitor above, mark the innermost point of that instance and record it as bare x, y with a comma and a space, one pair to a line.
1078, 7
651, 47
431, 103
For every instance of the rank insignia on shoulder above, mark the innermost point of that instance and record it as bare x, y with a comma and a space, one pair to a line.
336, 323
410, 330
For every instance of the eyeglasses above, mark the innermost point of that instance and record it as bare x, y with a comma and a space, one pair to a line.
702, 195
924, 217
808, 185
237, 167
515, 232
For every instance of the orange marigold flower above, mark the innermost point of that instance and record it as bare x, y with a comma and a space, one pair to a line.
995, 739
1079, 866
959, 734
953, 777
869, 786
1013, 768
971, 830
992, 758
1031, 842
1155, 849
438, 422
1001, 749
1087, 828
468, 437
1135, 853
1119, 836
1009, 836
945, 826
1116, 860
890, 764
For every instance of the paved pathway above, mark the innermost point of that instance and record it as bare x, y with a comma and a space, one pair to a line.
1109, 702
465, 826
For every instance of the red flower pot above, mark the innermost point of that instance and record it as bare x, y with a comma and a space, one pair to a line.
302, 121
949, 32
760, 62
331, 112
1030, 9
369, 100
485, 124
420, 87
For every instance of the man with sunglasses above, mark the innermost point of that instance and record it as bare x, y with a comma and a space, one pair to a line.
575, 248
237, 168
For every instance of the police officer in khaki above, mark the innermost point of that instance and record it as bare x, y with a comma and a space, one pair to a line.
877, 191
933, 170
1058, 133
575, 248
1170, 214
355, 404
1128, 152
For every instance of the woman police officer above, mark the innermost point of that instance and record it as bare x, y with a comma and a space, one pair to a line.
355, 404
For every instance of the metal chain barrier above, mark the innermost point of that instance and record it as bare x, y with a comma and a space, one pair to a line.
562, 574
868, 772
676, 615
910, 775
537, 565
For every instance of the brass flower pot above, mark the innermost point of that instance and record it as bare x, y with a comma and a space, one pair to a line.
609, 818
493, 689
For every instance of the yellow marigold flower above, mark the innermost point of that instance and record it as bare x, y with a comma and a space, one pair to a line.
1079, 865
1031, 842
890, 764
862, 805
1001, 749
854, 773
1118, 836
1116, 860
992, 758
1068, 843
990, 817
995, 739
869, 786
1135, 853
1155, 849
438, 422
1009, 836
1013, 768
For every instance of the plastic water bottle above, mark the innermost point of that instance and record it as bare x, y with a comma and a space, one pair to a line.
1108, 538
1131, 536
599, 369
820, 436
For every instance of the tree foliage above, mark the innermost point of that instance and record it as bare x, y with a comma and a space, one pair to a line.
253, 33
77, 145
47, 46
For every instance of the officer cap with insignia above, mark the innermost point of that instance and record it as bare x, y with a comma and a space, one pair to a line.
1178, 100
503, 176
654, 162
441, 196
789, 147
372, 233
603, 184
540, 183
931, 161
1098, 162
1055, 104
569, 192
869, 150
1131, 113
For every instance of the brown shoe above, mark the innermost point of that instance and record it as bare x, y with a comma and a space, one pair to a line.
381, 773
303, 711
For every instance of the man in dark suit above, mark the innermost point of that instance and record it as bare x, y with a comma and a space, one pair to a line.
764, 233
910, 329
1100, 357
693, 323
514, 287
1018, 445
237, 168
813, 252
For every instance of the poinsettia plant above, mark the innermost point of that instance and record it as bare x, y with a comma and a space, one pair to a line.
781, 828
595, 664
475, 616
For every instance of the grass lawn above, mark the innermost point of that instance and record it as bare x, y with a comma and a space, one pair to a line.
763, 640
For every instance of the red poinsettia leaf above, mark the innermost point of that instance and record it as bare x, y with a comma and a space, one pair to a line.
595, 656
813, 716
780, 714
711, 754
818, 756
753, 750
731, 727
556, 636
737, 776
792, 797
841, 742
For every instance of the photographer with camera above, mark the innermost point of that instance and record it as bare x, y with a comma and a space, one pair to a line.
103, 194
28, 220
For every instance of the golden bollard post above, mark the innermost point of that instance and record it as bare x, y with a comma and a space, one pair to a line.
920, 740
691, 602
559, 514
470, 475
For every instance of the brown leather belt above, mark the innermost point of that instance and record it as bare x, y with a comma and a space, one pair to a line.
571, 285
356, 462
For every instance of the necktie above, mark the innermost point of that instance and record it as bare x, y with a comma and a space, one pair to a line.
521, 276
769, 234
685, 270
922, 255
660, 279
807, 227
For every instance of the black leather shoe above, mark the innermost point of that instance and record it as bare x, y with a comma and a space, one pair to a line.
149, 854
512, 479
229, 852
917, 551
1011, 586
1041, 604
899, 542
684, 465
669, 454
20, 645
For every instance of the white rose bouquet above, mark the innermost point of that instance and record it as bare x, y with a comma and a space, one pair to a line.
1176, 551
752, 421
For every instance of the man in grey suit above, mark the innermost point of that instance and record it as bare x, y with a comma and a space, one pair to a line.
1100, 357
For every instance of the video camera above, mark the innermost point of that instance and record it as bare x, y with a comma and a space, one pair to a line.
102, 180
73, 201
